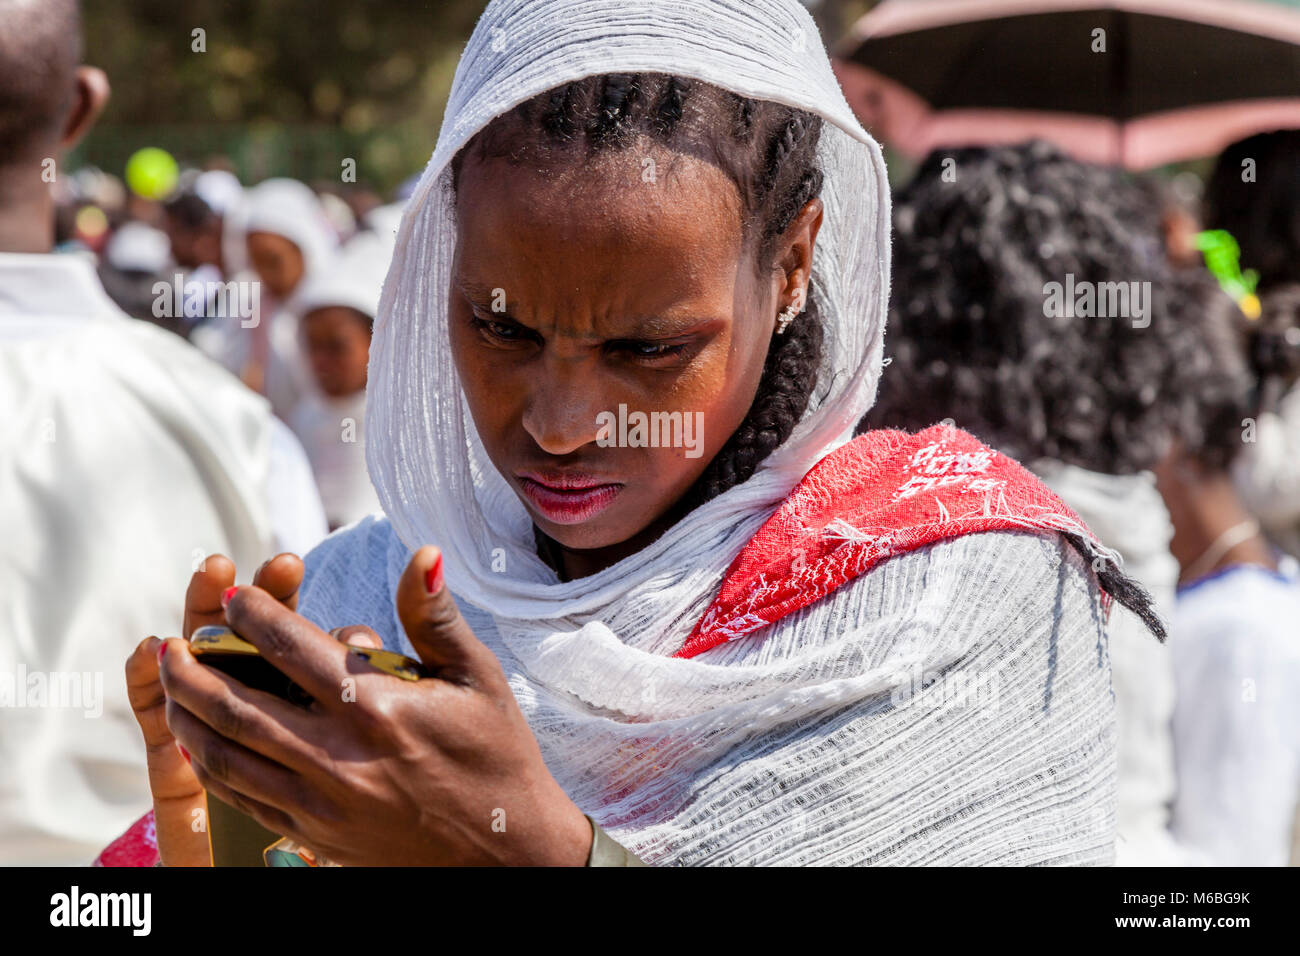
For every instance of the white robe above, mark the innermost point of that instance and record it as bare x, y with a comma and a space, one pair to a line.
1127, 513
1237, 724
125, 458
332, 431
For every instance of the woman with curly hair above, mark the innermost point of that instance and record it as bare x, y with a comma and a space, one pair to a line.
766, 644
980, 335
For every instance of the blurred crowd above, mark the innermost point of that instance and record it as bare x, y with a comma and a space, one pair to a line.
279, 282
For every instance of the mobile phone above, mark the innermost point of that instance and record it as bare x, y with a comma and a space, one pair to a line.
235, 838
223, 649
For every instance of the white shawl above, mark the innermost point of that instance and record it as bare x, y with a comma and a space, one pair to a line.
797, 744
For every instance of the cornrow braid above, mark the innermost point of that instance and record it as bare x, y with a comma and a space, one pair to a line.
557, 119
617, 99
767, 149
669, 111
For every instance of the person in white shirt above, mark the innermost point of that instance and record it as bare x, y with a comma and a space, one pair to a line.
125, 457
1236, 627
338, 310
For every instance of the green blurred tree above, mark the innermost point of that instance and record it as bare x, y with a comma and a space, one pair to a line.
291, 87
284, 87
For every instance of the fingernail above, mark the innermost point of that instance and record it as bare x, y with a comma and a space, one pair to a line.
162, 649
226, 595
184, 753
433, 577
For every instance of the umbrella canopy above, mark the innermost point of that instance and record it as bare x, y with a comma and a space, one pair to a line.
1135, 82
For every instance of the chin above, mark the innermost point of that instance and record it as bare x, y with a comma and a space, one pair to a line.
588, 536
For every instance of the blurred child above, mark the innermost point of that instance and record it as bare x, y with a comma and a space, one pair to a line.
338, 310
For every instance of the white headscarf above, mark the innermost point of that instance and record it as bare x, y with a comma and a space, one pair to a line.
354, 277
290, 209
428, 464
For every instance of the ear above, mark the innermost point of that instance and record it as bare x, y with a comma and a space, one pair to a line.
794, 262
89, 99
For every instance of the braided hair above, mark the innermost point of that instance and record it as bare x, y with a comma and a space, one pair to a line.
767, 149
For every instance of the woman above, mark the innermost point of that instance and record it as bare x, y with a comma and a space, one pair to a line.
697, 643
1090, 399
1237, 651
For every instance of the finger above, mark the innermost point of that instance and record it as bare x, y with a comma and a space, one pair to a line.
275, 820
292, 644
281, 577
144, 691
434, 624
357, 635
255, 719
218, 759
170, 777
203, 597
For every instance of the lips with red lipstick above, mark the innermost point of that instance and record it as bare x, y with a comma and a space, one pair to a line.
568, 497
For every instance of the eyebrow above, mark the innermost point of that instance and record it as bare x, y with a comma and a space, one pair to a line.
650, 326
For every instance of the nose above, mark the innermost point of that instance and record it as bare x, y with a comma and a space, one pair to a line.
561, 412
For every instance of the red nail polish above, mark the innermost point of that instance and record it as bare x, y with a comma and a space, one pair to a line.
162, 649
226, 595
433, 577
184, 753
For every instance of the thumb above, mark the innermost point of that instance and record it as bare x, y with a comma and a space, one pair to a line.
433, 623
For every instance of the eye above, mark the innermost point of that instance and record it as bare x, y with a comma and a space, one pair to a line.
497, 330
644, 351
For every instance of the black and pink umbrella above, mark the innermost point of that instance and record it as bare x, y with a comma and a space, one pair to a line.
1138, 83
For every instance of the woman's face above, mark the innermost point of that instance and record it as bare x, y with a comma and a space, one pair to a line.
277, 261
584, 299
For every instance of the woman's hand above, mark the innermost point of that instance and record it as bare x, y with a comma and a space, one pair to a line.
180, 809
379, 771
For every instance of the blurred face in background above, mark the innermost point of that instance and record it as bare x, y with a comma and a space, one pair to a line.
277, 261
336, 340
194, 246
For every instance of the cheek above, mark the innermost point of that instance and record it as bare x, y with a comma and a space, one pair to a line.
722, 388
486, 384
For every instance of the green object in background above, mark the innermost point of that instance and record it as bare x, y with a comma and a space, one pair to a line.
151, 172
1223, 259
